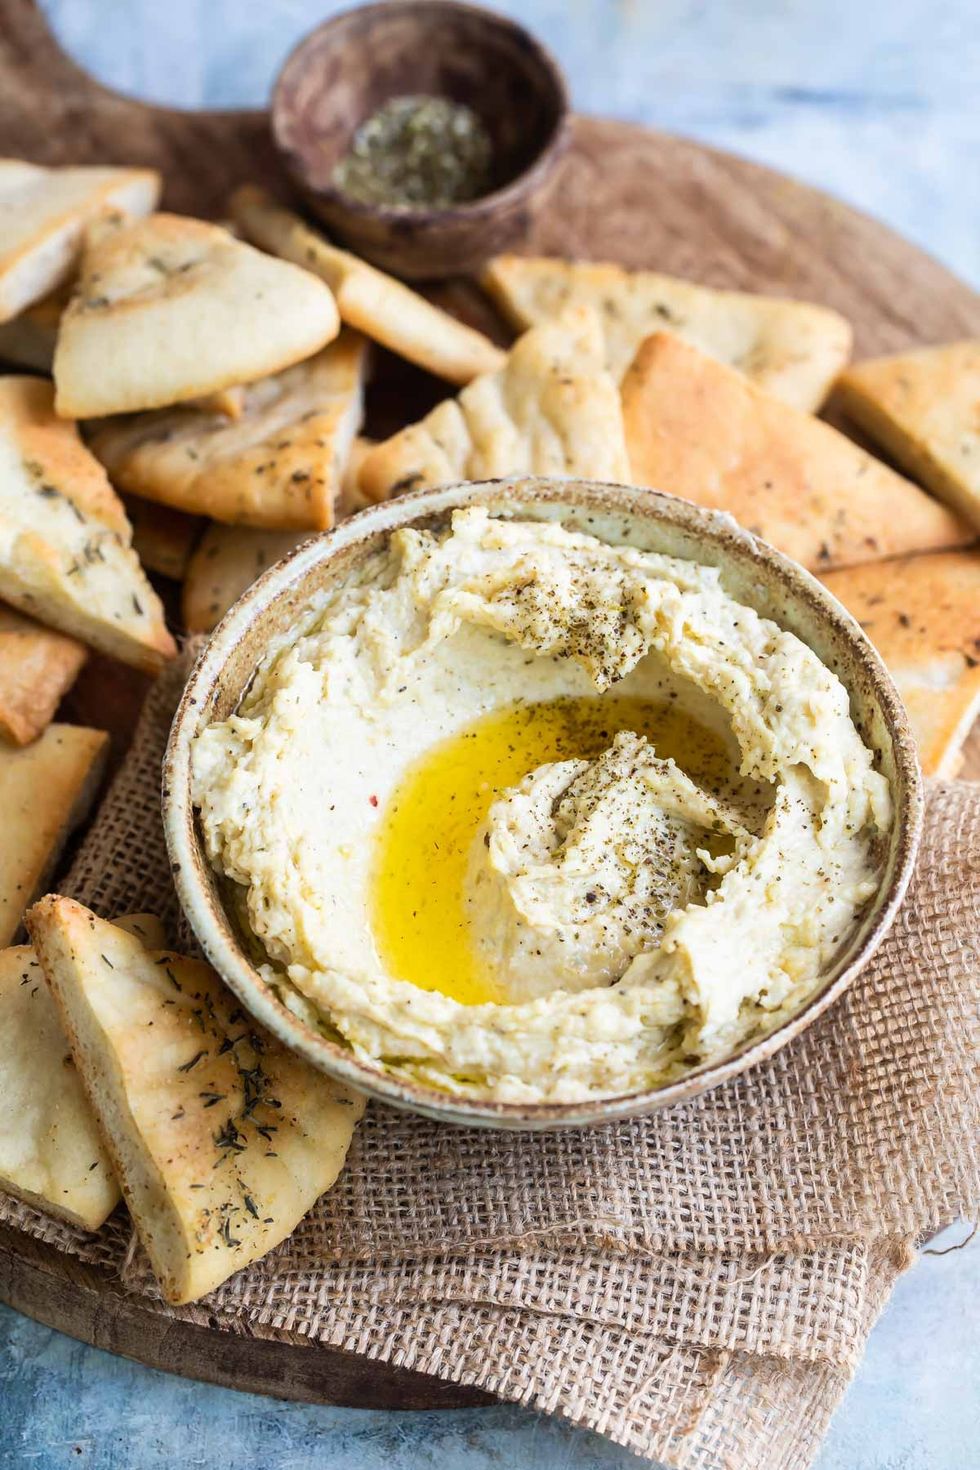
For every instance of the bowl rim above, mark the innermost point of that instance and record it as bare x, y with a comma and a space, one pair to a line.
214, 930
483, 205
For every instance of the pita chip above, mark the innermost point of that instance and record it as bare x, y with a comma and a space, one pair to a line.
279, 466
228, 559
368, 300
552, 409
352, 499
924, 409
220, 1137
37, 667
28, 340
46, 789
793, 349
65, 544
43, 215
163, 539
167, 309
922, 613
700, 430
51, 1153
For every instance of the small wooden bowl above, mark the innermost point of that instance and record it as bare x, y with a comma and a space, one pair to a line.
350, 66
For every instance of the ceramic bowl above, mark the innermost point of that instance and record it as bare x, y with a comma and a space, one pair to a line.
751, 571
347, 68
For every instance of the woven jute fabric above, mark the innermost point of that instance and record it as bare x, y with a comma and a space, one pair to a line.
698, 1285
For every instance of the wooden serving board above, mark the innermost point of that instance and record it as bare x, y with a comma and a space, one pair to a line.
624, 193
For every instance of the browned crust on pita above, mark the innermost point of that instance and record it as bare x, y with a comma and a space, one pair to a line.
698, 429
37, 667
922, 613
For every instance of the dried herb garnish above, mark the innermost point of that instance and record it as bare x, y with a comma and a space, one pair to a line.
418, 151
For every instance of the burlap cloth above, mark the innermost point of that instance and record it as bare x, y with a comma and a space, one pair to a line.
697, 1286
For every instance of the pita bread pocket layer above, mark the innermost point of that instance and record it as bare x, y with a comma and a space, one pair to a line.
922, 613
46, 789
167, 309
37, 667
163, 539
793, 349
65, 544
924, 409
367, 299
220, 1138
228, 559
43, 214
280, 466
51, 1154
700, 430
552, 409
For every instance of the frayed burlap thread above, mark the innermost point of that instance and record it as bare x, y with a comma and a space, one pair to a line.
697, 1285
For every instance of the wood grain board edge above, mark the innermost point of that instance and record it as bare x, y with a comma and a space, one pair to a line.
89, 1304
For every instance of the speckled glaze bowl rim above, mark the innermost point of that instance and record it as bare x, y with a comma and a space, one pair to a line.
730, 544
530, 178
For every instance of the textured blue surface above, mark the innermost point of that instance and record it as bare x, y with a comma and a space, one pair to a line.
876, 102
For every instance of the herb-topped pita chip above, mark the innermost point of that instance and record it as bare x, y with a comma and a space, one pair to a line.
163, 538
221, 1138
922, 613
279, 466
375, 304
700, 430
51, 1153
793, 349
552, 409
37, 667
924, 409
167, 309
43, 214
65, 544
46, 789
228, 559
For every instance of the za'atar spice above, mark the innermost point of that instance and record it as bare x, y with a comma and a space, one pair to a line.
417, 151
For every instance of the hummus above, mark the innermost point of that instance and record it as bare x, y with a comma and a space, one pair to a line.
525, 815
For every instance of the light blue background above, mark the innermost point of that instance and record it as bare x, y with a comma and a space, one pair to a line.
873, 99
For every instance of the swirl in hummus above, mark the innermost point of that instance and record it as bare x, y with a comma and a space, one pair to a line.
669, 882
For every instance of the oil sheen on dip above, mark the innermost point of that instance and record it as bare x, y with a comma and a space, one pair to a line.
423, 924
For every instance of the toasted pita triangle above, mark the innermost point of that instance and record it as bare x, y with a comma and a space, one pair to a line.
65, 543
46, 789
163, 539
43, 214
227, 560
220, 1137
279, 466
700, 430
352, 498
551, 410
28, 340
922, 613
924, 409
37, 667
368, 300
51, 1153
793, 349
167, 309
